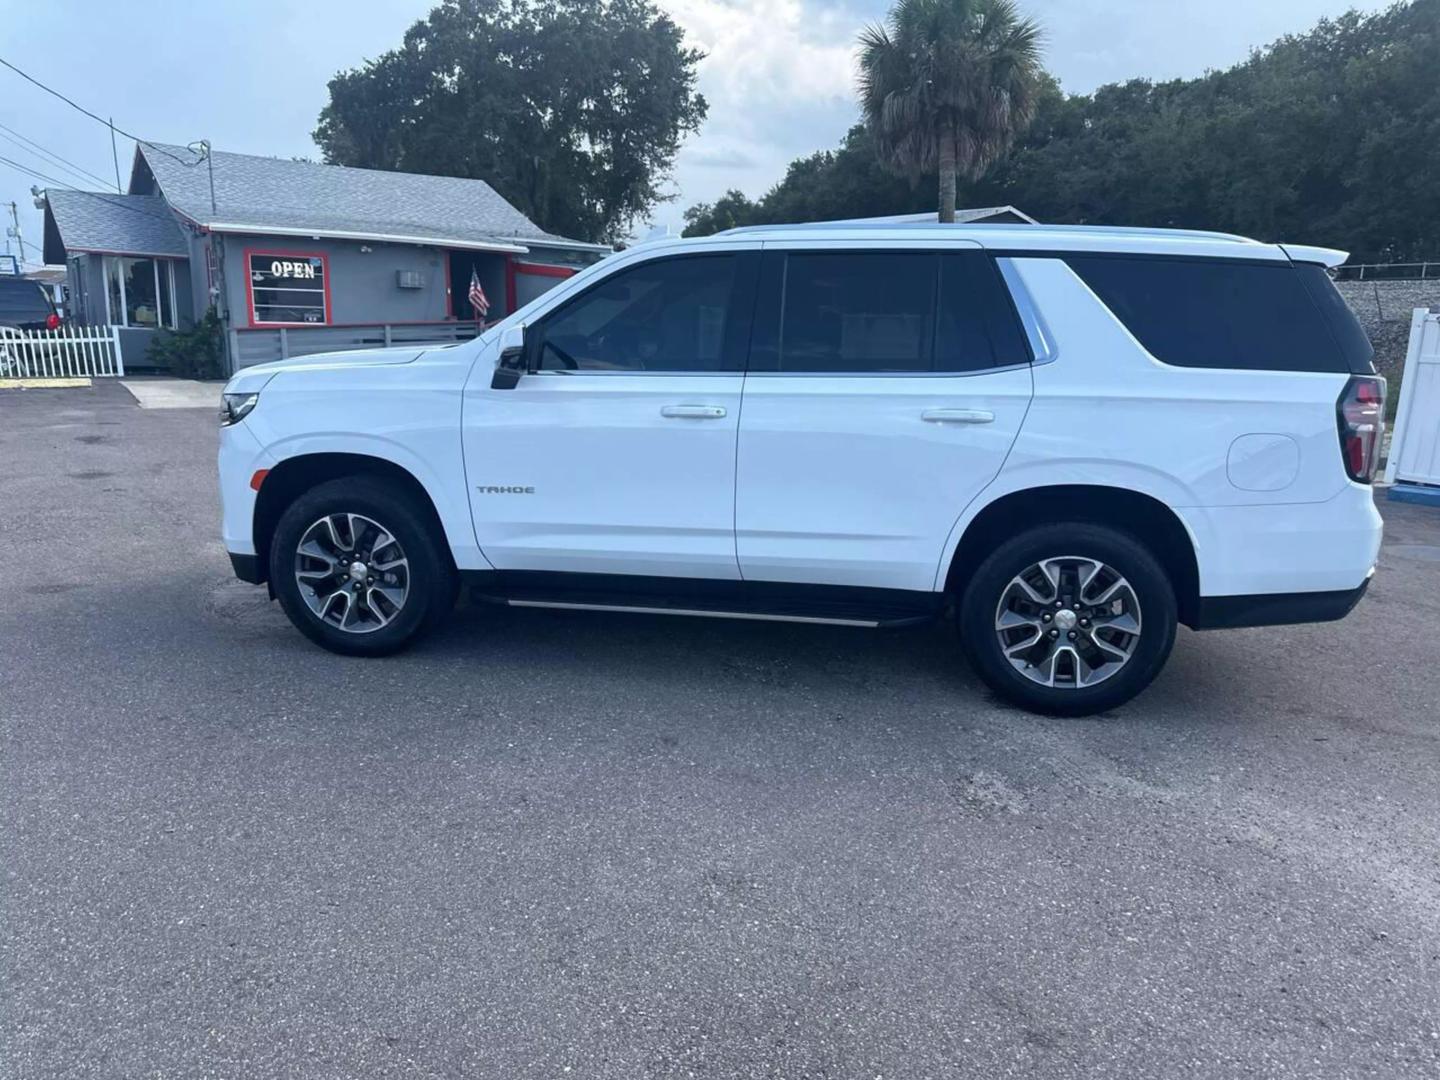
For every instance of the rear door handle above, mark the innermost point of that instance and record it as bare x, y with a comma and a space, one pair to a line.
694, 412
958, 416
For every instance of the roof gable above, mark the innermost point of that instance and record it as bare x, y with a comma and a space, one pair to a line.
120, 224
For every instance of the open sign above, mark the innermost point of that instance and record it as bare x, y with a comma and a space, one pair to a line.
287, 288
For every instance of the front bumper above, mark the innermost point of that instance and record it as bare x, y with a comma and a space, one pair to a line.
240, 456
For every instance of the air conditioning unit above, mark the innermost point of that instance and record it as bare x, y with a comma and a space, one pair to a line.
410, 279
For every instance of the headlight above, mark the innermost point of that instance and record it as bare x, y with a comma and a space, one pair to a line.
235, 407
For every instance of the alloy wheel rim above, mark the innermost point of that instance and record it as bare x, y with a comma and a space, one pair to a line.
352, 573
1068, 622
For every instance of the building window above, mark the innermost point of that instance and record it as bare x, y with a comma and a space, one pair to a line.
140, 292
287, 288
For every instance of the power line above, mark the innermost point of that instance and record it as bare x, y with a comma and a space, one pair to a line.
70, 167
103, 196
98, 119
37, 174
54, 157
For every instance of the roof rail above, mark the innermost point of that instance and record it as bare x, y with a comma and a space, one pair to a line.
795, 226
1078, 230
1145, 230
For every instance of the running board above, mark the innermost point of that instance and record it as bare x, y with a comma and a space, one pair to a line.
769, 601
696, 613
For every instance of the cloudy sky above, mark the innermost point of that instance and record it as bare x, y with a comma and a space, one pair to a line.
250, 76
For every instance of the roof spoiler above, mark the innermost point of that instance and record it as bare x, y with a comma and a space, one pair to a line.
1327, 257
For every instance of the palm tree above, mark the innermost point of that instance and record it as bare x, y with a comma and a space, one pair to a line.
947, 84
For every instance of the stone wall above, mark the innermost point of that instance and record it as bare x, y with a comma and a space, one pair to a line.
1384, 308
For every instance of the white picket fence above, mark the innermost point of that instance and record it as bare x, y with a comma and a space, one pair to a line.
65, 352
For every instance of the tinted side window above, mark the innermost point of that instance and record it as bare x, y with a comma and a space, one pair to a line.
1349, 334
23, 301
1215, 313
884, 312
664, 315
855, 311
978, 327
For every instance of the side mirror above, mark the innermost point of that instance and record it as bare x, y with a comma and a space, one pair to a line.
512, 360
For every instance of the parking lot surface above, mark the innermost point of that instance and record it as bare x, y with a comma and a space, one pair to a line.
549, 844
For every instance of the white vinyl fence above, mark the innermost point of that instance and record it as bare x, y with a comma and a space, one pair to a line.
1415, 449
65, 352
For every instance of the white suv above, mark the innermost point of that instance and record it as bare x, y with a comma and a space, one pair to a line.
1068, 439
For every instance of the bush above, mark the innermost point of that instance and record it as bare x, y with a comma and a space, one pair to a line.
197, 353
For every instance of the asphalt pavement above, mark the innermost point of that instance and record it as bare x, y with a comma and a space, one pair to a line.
550, 844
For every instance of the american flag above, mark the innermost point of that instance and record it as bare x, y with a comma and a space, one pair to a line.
478, 300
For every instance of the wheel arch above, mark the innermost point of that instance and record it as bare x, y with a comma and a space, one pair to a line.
293, 476
1142, 516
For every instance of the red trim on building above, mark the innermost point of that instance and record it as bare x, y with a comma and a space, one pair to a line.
544, 270
250, 285
355, 325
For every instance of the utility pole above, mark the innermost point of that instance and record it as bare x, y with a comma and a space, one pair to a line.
15, 232
210, 167
115, 157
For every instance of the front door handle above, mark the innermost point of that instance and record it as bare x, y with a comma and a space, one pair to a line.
694, 412
958, 416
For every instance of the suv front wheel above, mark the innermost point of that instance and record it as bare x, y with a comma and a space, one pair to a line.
1068, 619
358, 568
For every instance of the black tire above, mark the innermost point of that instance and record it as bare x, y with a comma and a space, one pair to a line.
1151, 587
432, 581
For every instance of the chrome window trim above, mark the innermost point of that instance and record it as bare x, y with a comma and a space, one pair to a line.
792, 374
1042, 342
883, 374
583, 373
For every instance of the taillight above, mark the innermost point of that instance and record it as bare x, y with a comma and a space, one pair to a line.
52, 321
1360, 413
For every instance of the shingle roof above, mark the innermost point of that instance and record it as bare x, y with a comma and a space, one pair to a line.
264, 194
125, 224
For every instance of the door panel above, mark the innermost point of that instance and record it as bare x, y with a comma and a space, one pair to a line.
844, 480
611, 484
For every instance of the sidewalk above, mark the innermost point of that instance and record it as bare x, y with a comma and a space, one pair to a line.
157, 392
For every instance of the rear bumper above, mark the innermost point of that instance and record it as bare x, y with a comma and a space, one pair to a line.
1285, 548
1276, 609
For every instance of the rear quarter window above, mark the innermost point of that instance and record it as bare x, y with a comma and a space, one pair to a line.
1221, 313
22, 301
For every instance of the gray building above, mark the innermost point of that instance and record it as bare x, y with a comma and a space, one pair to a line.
296, 257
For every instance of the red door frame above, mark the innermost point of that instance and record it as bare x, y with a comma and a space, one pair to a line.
514, 268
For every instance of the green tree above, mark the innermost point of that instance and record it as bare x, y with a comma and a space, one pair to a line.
1330, 137
729, 211
947, 85
573, 110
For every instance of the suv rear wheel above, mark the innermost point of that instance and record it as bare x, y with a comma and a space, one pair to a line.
358, 568
1069, 618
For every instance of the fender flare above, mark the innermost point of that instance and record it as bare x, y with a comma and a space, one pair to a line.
1131, 478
